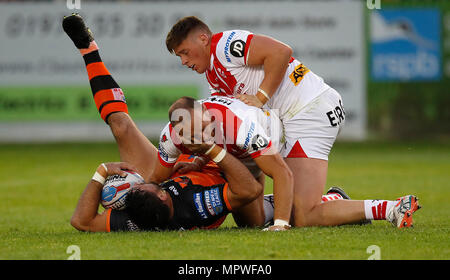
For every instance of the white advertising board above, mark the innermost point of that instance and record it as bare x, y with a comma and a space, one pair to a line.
326, 36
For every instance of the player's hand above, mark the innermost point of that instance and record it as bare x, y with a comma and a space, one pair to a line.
119, 168
250, 100
185, 167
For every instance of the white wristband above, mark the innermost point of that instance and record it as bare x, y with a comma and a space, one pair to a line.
264, 93
220, 156
210, 149
279, 222
99, 178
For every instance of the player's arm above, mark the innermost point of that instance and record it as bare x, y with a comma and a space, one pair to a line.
274, 56
161, 172
273, 165
86, 216
242, 186
196, 165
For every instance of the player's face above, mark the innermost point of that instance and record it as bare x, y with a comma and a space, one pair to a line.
194, 127
194, 51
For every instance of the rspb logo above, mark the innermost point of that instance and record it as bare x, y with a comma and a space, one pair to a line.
405, 44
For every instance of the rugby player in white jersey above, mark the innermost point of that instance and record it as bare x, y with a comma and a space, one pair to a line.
261, 72
234, 128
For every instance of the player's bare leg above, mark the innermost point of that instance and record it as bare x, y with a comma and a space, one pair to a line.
310, 177
133, 146
309, 183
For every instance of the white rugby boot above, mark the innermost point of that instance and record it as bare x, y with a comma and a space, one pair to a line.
401, 214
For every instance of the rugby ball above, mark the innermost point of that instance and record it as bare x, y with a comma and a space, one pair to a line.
116, 188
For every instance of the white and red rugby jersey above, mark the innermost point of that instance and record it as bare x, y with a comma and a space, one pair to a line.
242, 130
229, 74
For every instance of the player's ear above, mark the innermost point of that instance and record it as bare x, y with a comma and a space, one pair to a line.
162, 194
204, 38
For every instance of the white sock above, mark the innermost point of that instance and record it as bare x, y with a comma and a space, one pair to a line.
377, 209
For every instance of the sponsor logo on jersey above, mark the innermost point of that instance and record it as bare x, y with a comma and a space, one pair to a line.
162, 153
221, 72
164, 138
199, 205
173, 189
132, 226
259, 142
227, 46
237, 48
249, 135
212, 201
225, 101
118, 94
239, 89
298, 74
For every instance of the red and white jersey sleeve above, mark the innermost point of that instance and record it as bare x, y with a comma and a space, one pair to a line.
168, 151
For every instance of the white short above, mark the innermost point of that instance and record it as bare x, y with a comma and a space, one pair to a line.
312, 131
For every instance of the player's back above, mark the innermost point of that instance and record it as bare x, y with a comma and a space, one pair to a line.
240, 122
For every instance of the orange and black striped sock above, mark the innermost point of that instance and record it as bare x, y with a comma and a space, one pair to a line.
108, 96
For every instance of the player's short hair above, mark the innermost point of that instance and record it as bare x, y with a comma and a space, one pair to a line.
185, 102
146, 210
181, 29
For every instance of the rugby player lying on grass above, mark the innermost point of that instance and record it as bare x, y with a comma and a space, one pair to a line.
180, 202
136, 149
192, 200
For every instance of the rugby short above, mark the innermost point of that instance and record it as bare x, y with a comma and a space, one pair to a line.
312, 132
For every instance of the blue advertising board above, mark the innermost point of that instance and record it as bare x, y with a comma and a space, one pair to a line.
405, 45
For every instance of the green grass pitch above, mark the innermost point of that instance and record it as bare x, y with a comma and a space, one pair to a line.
41, 184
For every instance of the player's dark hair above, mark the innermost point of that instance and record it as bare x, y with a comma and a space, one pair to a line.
146, 210
181, 30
